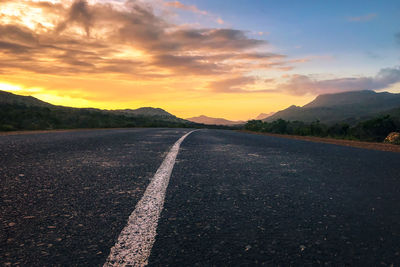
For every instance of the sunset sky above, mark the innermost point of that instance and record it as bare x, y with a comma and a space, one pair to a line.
231, 59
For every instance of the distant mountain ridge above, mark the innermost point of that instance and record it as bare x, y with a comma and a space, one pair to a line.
30, 101
263, 116
145, 111
348, 106
213, 121
28, 113
148, 112
363, 98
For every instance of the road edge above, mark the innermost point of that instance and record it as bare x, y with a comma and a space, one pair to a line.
340, 142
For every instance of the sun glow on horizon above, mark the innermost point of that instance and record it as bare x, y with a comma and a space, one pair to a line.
10, 87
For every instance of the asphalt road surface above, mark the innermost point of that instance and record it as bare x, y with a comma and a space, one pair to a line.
233, 199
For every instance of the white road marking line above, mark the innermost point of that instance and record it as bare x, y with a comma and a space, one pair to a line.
134, 243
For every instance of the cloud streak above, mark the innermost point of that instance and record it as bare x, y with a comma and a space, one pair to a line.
232, 85
239, 84
363, 18
191, 8
194, 9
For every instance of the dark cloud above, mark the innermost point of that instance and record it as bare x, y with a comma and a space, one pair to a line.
79, 13
78, 59
230, 38
17, 34
214, 39
301, 84
138, 26
13, 48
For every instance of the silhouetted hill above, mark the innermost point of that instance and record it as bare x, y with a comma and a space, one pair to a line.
213, 121
9, 98
149, 112
146, 111
28, 113
350, 107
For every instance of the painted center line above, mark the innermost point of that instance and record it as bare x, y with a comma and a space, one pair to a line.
134, 243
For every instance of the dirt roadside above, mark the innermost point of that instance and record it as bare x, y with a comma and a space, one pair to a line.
359, 144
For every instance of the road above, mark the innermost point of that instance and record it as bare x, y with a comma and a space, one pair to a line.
232, 199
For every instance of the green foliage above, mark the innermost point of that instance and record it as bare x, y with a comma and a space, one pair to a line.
255, 125
375, 129
371, 130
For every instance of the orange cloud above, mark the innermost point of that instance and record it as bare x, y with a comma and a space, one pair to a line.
118, 55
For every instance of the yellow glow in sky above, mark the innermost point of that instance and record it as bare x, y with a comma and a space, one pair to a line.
10, 87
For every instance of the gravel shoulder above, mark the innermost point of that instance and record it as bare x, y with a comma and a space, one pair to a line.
340, 142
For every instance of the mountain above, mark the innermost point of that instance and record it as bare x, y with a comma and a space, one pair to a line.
10, 98
28, 113
350, 107
263, 116
213, 121
365, 98
146, 111
29, 101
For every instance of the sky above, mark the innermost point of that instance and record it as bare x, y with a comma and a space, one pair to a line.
232, 59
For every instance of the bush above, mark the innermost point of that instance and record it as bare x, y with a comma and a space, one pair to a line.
371, 130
